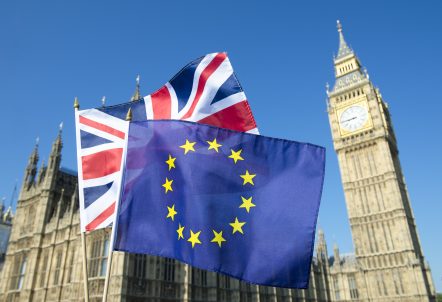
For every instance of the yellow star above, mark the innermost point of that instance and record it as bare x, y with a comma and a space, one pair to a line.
213, 145
180, 231
194, 238
236, 155
218, 237
171, 162
237, 226
188, 146
167, 185
248, 178
172, 212
247, 204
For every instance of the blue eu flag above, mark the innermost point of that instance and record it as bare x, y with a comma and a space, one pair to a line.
235, 203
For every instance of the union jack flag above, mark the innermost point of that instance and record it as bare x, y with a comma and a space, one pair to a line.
205, 91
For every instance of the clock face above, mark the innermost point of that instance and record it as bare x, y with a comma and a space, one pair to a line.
353, 118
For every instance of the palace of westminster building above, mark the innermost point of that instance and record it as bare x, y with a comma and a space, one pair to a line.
43, 261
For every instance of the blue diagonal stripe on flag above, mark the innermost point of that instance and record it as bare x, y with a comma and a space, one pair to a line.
91, 194
89, 140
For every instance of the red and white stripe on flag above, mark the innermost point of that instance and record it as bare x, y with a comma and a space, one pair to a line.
101, 145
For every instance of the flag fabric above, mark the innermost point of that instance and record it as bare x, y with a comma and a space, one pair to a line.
205, 91
239, 204
101, 143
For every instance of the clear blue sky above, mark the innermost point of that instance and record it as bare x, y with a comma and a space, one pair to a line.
52, 51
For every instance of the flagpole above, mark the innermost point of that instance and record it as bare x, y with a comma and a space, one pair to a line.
85, 279
114, 227
109, 264
82, 234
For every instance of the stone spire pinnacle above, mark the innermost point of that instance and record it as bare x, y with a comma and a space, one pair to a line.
42, 171
320, 235
336, 253
321, 246
137, 94
58, 140
31, 169
335, 247
57, 145
344, 49
34, 154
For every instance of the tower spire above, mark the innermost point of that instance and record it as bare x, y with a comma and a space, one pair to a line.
336, 253
41, 172
58, 140
31, 169
321, 246
55, 156
348, 69
344, 49
137, 94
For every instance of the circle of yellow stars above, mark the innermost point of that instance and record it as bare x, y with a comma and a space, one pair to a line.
247, 204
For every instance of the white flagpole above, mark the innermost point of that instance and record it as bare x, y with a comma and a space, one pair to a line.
109, 263
83, 236
114, 224
85, 280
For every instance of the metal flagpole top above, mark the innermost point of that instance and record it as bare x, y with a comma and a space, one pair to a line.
76, 103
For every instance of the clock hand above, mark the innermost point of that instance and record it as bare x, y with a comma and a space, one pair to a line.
349, 119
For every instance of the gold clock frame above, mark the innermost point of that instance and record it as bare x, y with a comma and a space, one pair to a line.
368, 124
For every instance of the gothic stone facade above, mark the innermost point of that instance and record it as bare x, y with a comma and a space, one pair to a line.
43, 261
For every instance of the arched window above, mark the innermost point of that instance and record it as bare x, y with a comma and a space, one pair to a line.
57, 268
70, 271
43, 268
18, 272
98, 259
354, 294
336, 288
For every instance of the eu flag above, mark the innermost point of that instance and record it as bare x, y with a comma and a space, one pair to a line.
235, 203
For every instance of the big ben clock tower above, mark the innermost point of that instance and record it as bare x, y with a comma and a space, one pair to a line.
387, 246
